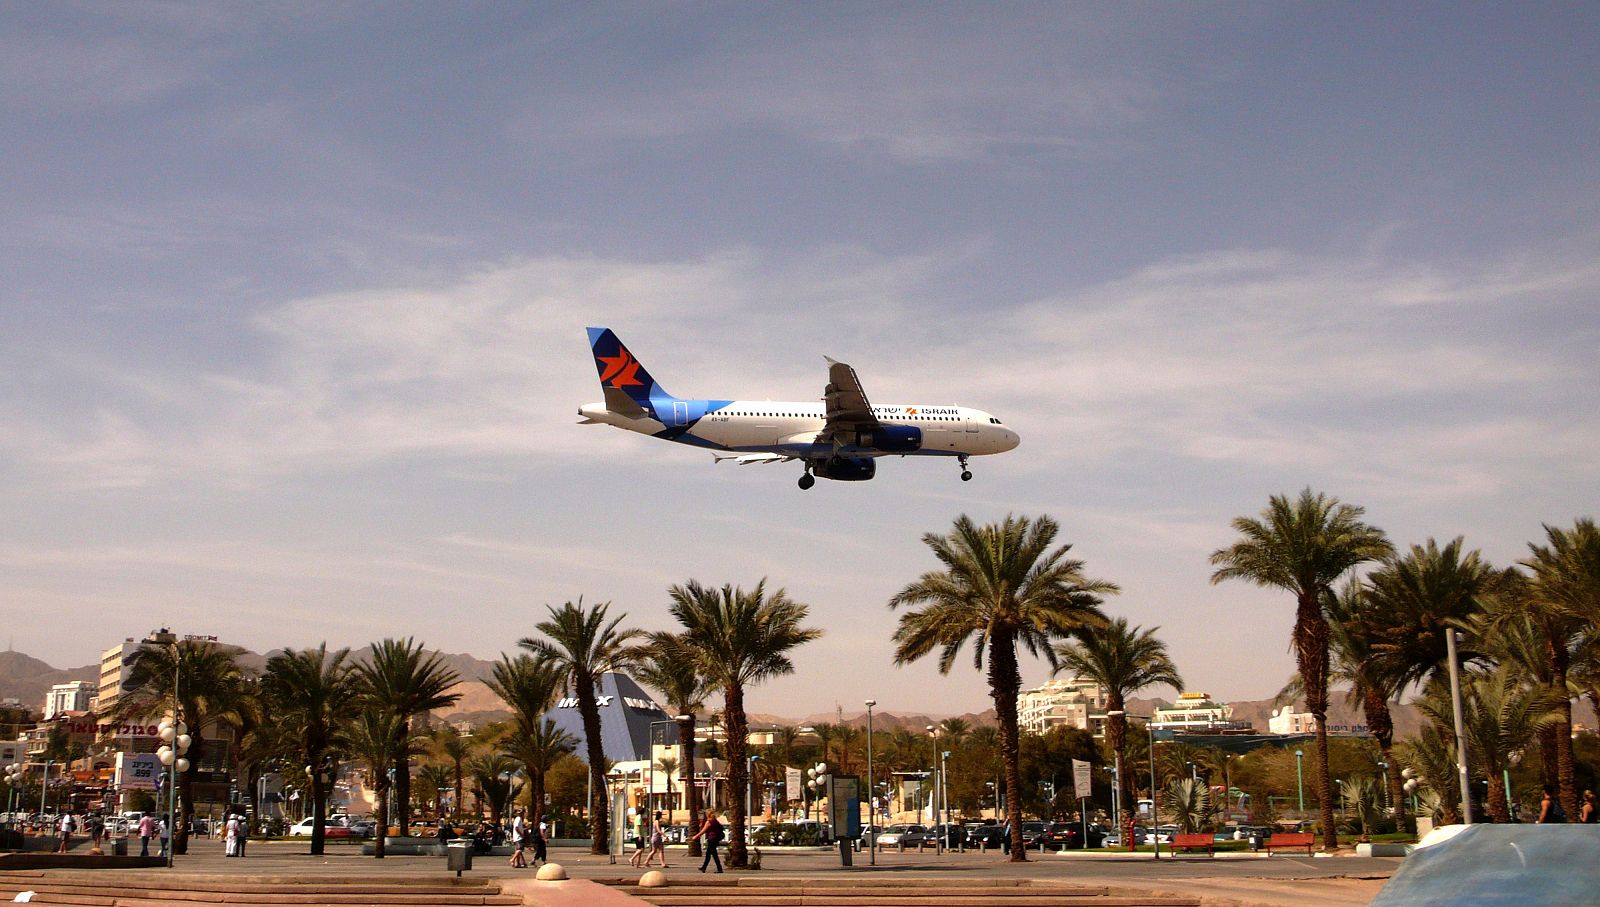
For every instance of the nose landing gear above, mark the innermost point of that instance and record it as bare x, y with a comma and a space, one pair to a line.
966, 474
807, 480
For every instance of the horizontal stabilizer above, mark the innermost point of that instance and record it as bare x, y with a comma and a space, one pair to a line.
747, 459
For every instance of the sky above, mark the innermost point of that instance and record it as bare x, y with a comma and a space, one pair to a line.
292, 299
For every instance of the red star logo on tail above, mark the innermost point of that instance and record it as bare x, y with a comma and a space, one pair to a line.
621, 370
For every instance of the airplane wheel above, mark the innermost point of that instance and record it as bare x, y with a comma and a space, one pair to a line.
966, 476
807, 480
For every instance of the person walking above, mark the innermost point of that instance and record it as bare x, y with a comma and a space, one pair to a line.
164, 833
96, 827
519, 837
638, 840
230, 837
1588, 813
658, 841
66, 827
711, 830
147, 830
244, 833
540, 855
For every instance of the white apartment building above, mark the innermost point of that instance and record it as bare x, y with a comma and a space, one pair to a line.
114, 666
1062, 702
1287, 721
73, 696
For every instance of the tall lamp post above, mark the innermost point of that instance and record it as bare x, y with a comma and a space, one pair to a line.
1155, 798
175, 742
1300, 779
938, 787
1450, 638
750, 783
872, 795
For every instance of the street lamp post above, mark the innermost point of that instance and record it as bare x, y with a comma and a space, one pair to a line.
1155, 800
1300, 779
938, 787
1450, 638
750, 784
872, 795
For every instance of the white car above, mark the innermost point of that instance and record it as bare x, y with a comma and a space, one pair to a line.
334, 828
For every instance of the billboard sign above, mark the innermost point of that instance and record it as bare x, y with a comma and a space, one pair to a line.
138, 771
844, 805
1082, 781
792, 784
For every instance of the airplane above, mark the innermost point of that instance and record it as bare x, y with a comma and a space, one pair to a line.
839, 438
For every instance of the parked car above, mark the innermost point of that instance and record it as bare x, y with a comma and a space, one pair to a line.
908, 835
954, 835
1033, 833
979, 836
1069, 836
333, 828
366, 828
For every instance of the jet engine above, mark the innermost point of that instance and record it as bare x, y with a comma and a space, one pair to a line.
891, 438
846, 469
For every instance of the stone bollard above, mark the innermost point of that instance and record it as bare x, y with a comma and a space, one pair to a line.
552, 872
655, 878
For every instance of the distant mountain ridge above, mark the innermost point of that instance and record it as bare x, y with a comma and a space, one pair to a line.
28, 680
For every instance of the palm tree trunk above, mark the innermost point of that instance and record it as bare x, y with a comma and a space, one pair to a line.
456, 810
536, 798
319, 808
1311, 650
600, 801
1117, 736
738, 772
1498, 808
691, 792
1004, 682
1381, 723
381, 791
402, 779
1559, 662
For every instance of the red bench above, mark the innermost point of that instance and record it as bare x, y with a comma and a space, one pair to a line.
1285, 840
1190, 843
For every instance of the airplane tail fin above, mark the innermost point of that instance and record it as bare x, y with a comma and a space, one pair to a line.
620, 372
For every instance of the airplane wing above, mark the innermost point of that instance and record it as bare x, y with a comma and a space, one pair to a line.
845, 405
747, 459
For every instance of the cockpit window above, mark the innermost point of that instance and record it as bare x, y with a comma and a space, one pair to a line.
993, 421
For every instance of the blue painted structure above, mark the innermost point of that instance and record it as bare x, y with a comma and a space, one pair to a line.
1521, 865
626, 712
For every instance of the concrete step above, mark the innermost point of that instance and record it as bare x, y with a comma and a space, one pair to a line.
871, 892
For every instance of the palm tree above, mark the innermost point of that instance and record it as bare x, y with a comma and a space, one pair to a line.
1355, 625
308, 694
1500, 713
456, 747
584, 647
529, 686
672, 669
496, 778
1188, 802
740, 638
954, 732
1002, 586
437, 779
377, 740
669, 767
1122, 660
1564, 593
1303, 547
198, 679
402, 677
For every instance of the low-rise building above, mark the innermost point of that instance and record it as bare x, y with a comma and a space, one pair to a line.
1062, 702
72, 696
1286, 720
1197, 713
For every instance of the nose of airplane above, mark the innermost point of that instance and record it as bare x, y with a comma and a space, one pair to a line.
1009, 440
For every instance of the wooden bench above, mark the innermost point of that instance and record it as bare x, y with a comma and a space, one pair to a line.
1191, 843
1286, 840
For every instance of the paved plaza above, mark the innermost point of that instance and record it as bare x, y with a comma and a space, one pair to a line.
1278, 881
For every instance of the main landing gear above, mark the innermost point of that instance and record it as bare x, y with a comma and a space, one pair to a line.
966, 474
807, 480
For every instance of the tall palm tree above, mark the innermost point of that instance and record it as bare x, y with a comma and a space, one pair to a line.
1564, 593
671, 668
1002, 586
583, 646
202, 681
308, 693
1303, 547
1355, 625
457, 748
400, 675
1122, 660
377, 741
530, 686
740, 638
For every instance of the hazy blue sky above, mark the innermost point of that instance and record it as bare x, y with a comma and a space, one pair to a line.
292, 300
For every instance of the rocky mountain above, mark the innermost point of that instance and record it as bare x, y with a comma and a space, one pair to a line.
28, 680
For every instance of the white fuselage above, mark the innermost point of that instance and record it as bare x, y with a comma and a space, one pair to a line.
792, 428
